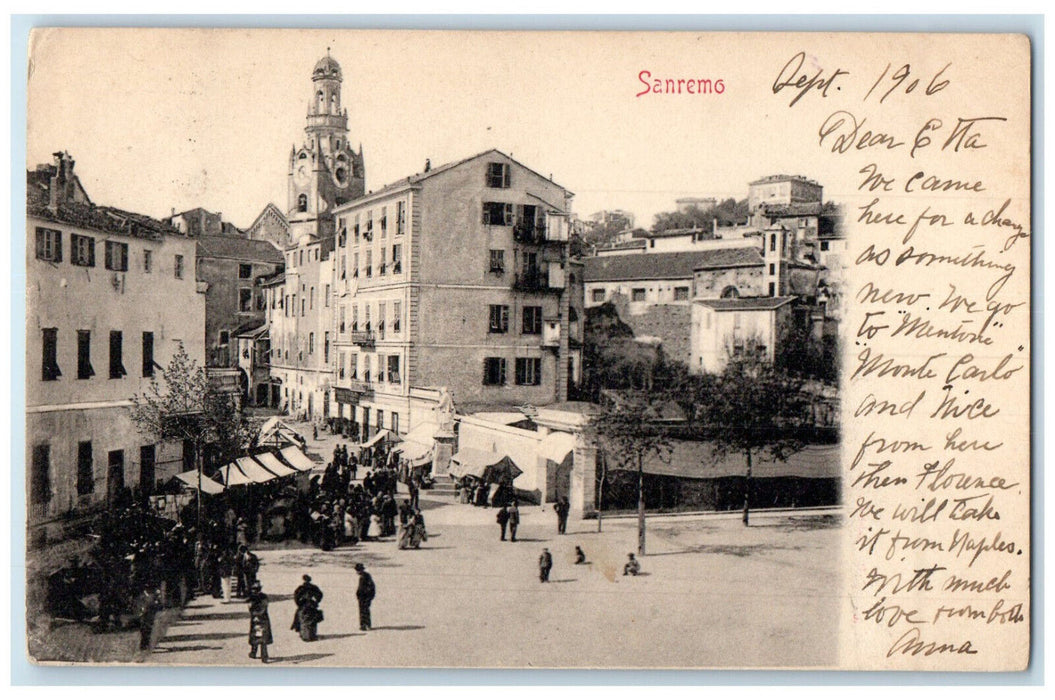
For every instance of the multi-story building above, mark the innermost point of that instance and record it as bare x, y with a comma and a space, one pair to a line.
324, 172
782, 189
234, 303
687, 204
455, 277
111, 295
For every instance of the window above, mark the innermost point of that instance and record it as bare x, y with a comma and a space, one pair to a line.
40, 480
355, 265
326, 298
245, 271
85, 469
355, 317
380, 419
397, 316
393, 369
532, 320
49, 355
148, 261
369, 233
178, 269
115, 472
311, 343
498, 175
529, 371
326, 347
303, 306
148, 354
499, 319
498, 261
401, 218
311, 298
395, 422
302, 202
301, 262
772, 289
344, 266
773, 242
146, 469
681, 294
772, 268
286, 308
366, 313
223, 337
381, 319
498, 214
245, 300
637, 294
598, 295
82, 250
384, 221
261, 301
355, 230
824, 247
353, 366
397, 259
49, 244
369, 263
340, 319
494, 371
84, 355
117, 367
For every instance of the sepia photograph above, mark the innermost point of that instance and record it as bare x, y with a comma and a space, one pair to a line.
496, 349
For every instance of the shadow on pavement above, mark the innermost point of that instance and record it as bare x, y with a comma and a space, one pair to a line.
195, 647
172, 638
299, 658
323, 637
562, 580
400, 628
218, 616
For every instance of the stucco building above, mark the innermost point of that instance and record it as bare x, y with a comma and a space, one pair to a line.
111, 295
455, 277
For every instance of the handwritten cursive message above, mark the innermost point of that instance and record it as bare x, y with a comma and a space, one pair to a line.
935, 341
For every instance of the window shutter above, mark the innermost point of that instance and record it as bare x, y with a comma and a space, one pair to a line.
509, 218
505, 174
40, 244
58, 246
502, 373
483, 218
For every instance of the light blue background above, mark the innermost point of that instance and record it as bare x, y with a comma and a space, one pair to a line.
23, 673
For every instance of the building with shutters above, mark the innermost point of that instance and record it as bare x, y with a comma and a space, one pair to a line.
455, 277
110, 297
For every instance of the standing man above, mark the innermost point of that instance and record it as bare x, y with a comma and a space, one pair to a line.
514, 520
259, 622
503, 520
562, 507
365, 594
545, 563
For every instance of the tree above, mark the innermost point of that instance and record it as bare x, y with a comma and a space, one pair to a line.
754, 409
728, 213
184, 406
625, 430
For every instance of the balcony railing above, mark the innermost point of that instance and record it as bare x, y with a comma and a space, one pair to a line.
529, 232
363, 337
536, 280
359, 386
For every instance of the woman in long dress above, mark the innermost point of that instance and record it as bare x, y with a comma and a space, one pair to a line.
259, 623
308, 616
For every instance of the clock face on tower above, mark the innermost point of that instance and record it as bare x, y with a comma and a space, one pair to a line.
301, 174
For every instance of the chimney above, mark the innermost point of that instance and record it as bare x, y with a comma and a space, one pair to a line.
428, 164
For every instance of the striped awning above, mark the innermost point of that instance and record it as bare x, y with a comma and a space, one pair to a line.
207, 485
296, 459
273, 464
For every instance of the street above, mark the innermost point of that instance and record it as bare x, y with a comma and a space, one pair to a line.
712, 593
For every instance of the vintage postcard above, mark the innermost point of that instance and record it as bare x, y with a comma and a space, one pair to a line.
528, 349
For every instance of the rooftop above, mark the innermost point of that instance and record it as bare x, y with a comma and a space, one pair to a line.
239, 249
746, 303
784, 178
656, 266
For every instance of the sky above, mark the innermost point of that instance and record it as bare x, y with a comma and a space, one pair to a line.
177, 118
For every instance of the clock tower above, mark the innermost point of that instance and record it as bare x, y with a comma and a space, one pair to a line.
325, 171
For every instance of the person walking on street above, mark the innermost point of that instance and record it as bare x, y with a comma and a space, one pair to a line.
562, 508
503, 520
514, 521
545, 564
580, 556
259, 623
632, 566
308, 616
365, 594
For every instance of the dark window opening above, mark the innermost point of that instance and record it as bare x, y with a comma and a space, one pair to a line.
148, 354
498, 175
49, 354
498, 214
85, 469
494, 371
117, 368
529, 371
116, 256
146, 469
82, 250
532, 321
49, 244
498, 321
245, 271
84, 355
40, 478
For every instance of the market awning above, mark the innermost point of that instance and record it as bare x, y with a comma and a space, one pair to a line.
556, 446
383, 434
417, 444
421, 460
296, 459
232, 475
273, 465
484, 465
207, 485
274, 430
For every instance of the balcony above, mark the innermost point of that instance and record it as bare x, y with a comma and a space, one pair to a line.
360, 387
529, 232
364, 338
550, 279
